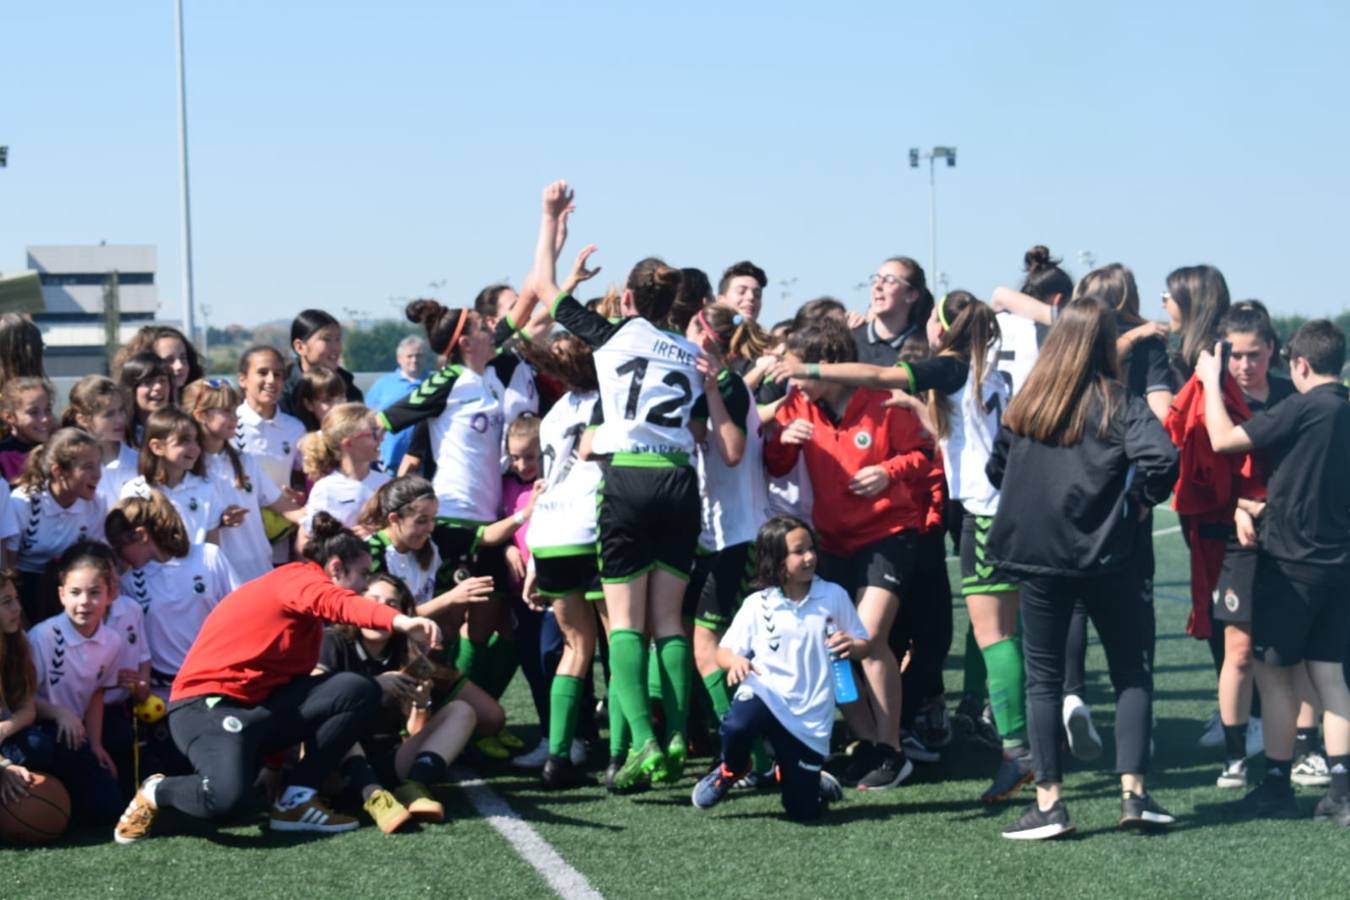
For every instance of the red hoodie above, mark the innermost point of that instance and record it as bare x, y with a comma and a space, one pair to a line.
269, 632
1208, 487
868, 434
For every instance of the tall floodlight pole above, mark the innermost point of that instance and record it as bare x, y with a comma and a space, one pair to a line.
185, 205
949, 154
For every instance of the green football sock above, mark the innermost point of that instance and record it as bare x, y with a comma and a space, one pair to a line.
502, 663
718, 692
471, 659
654, 686
564, 702
619, 735
628, 659
975, 674
1007, 690
675, 657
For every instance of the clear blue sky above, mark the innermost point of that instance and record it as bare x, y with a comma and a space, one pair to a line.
347, 153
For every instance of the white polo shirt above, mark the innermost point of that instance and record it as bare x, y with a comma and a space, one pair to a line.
117, 473
785, 641
176, 597
45, 528
194, 497
127, 622
273, 442
341, 496
71, 667
246, 545
421, 582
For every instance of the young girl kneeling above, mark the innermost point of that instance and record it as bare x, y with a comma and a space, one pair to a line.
779, 650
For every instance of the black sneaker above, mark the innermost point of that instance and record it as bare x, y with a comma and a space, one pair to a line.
891, 768
560, 773
830, 789
1268, 800
1141, 811
615, 764
861, 761
1333, 810
1037, 825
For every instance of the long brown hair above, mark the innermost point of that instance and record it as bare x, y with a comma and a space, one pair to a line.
736, 336
157, 515
212, 393
18, 677
61, 451
1201, 293
971, 330
165, 425
1077, 370
565, 358
1114, 285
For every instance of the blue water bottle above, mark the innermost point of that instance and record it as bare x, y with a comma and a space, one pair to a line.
845, 688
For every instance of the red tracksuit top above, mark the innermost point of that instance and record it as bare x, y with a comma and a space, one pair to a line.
868, 434
269, 632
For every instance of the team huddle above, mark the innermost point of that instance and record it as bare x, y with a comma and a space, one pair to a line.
279, 584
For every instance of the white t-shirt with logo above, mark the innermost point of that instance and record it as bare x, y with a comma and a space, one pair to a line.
175, 597
45, 528
117, 473
245, 545
196, 499
71, 667
126, 620
786, 642
273, 442
342, 496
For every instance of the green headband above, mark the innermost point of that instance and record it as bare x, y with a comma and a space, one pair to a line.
942, 313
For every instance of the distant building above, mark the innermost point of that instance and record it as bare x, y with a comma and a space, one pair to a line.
73, 280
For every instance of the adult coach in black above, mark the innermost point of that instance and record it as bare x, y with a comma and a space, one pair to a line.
1300, 615
245, 690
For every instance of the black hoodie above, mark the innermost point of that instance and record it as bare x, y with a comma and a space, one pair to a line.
1076, 510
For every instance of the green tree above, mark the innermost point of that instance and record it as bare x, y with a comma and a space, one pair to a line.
372, 349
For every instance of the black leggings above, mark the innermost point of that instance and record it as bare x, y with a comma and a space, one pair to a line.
225, 740
1075, 645
924, 626
1117, 608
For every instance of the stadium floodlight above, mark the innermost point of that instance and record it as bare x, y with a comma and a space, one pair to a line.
949, 154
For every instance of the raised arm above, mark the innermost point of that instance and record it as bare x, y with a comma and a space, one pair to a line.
849, 374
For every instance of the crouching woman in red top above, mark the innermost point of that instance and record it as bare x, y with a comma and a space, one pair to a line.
867, 461
245, 690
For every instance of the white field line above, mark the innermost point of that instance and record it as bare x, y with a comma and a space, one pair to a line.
566, 881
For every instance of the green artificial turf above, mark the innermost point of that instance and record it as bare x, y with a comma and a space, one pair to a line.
929, 838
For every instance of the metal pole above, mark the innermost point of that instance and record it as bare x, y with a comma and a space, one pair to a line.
185, 232
932, 225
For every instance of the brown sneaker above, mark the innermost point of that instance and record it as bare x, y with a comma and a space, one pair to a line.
139, 816
312, 815
424, 807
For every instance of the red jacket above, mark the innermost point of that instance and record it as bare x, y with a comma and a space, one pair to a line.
269, 632
1208, 487
868, 434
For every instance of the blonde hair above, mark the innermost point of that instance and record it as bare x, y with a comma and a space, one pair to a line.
157, 515
526, 425
322, 450
60, 451
206, 394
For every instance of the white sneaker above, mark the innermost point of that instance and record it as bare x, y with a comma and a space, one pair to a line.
535, 759
1310, 770
1256, 737
1213, 735
1234, 775
578, 752
1084, 741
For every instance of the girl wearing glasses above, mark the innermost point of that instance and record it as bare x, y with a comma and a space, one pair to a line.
341, 456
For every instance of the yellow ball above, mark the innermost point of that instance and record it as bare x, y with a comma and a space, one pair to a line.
150, 710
